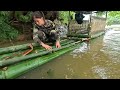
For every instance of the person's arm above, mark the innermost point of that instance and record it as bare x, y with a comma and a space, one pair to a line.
58, 41
35, 35
52, 26
37, 40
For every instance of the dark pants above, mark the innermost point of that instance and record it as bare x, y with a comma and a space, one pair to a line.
49, 37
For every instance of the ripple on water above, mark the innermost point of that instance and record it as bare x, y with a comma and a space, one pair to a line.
100, 71
111, 45
81, 50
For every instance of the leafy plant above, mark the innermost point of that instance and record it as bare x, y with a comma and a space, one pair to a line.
64, 16
100, 13
113, 17
7, 31
23, 18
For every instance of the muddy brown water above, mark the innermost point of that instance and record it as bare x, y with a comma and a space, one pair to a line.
97, 59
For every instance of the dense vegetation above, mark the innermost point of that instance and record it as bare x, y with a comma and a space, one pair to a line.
113, 17
10, 31
64, 16
6, 31
7, 18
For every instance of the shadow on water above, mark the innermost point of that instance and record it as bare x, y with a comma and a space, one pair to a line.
97, 59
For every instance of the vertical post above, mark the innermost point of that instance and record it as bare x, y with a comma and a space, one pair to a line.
106, 17
106, 14
69, 23
89, 25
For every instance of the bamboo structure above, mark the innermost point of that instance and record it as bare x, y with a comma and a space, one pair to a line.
12, 66
40, 53
19, 47
78, 35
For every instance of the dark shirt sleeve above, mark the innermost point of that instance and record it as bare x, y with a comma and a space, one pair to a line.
35, 35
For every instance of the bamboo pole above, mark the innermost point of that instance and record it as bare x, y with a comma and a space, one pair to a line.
22, 58
18, 69
19, 53
19, 47
78, 35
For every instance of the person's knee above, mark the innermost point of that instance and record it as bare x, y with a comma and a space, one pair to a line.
53, 34
41, 35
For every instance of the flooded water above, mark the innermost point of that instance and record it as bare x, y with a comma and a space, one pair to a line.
97, 59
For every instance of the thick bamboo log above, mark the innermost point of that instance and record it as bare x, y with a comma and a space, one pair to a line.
20, 68
78, 35
22, 58
19, 47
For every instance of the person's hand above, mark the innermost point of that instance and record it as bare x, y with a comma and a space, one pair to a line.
58, 44
46, 46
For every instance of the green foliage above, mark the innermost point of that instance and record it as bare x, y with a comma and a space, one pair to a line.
64, 16
113, 17
7, 31
73, 15
114, 14
5, 16
99, 13
23, 18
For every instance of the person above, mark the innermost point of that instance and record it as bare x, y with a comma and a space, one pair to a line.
44, 31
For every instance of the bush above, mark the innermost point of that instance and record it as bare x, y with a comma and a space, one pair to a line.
23, 18
113, 17
7, 31
64, 16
